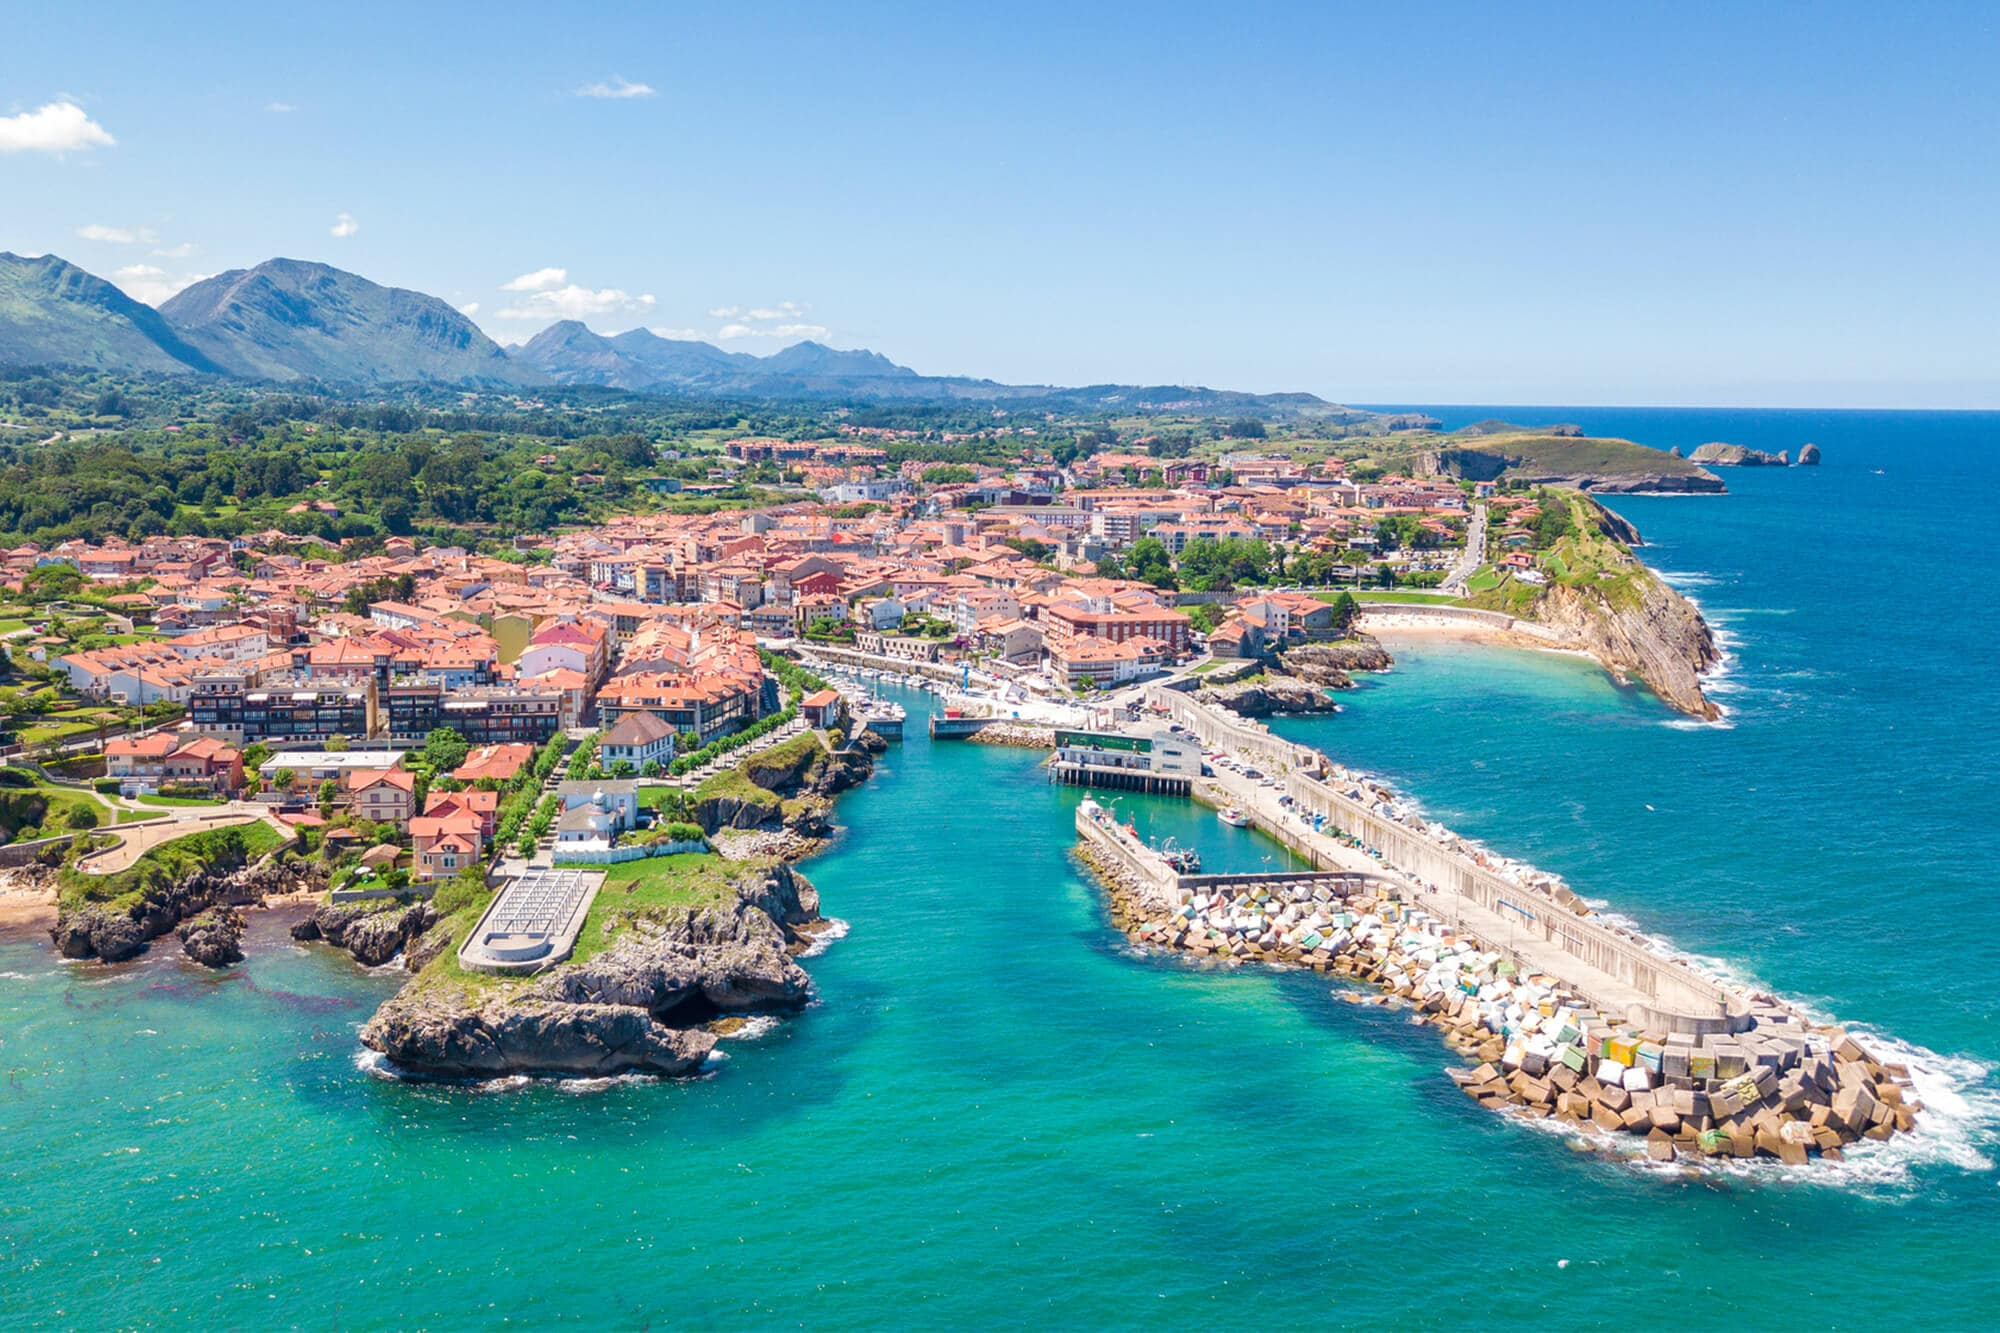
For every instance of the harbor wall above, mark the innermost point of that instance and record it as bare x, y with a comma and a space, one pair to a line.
1679, 999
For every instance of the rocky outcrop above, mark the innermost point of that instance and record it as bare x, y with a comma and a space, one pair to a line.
1650, 632
448, 1034
1264, 695
788, 771
113, 934
213, 938
635, 1007
1717, 454
1808, 455
1330, 664
372, 932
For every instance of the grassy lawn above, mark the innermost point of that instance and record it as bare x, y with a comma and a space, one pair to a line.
659, 798
1486, 580
1204, 668
658, 887
1405, 598
177, 801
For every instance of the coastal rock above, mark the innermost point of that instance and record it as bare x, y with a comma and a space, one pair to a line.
1651, 632
435, 1031
373, 932
1808, 455
419, 954
1328, 664
1263, 696
1719, 454
214, 938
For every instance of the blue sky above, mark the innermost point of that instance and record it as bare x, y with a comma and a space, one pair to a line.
1628, 203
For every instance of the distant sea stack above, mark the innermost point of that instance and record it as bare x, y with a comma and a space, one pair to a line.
1808, 455
1717, 454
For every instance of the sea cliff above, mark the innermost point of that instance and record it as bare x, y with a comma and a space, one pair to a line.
1644, 631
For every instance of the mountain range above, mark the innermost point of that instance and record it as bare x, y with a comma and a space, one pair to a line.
293, 320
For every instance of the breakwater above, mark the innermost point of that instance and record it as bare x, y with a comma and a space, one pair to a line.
1793, 1092
1569, 1015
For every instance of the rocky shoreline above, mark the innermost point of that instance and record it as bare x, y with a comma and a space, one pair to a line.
112, 934
1297, 679
1541, 1052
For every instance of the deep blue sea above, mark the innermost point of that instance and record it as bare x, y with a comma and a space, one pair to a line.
999, 1115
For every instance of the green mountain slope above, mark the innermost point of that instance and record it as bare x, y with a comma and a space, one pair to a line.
54, 313
290, 319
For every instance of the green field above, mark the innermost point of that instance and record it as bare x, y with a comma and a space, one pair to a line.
1406, 598
177, 801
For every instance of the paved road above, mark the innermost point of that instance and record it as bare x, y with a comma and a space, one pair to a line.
1475, 553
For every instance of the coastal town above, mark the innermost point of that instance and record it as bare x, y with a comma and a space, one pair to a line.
513, 768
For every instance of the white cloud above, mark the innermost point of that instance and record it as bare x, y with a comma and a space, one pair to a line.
58, 127
97, 231
679, 335
151, 284
469, 309
574, 302
769, 321
617, 86
280, 108
344, 226
541, 280
181, 251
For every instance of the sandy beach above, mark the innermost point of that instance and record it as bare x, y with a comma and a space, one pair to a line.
25, 906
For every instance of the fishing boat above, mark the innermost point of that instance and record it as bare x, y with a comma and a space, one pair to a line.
1233, 817
1183, 860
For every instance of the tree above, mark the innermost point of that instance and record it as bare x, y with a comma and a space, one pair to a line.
445, 750
1149, 562
1205, 616
283, 779
336, 743
1245, 428
329, 796
652, 769
1345, 609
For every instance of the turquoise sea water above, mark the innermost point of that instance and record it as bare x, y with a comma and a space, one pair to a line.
999, 1115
